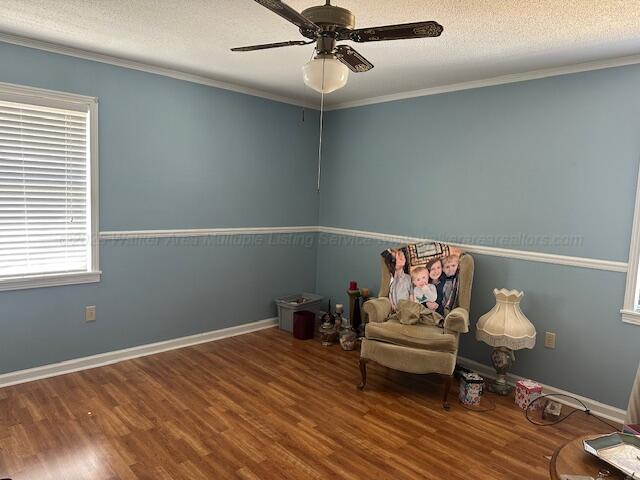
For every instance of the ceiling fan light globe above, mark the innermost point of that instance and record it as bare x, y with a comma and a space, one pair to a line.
325, 74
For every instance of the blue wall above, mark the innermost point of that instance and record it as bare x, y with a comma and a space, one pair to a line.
551, 161
509, 166
173, 154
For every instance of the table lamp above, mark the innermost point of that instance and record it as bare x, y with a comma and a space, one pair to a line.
506, 329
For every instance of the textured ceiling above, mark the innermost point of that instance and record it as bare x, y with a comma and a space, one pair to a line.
482, 38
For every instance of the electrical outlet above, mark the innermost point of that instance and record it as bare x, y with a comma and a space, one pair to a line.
550, 339
90, 313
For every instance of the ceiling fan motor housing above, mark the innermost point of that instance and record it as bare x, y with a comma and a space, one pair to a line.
331, 19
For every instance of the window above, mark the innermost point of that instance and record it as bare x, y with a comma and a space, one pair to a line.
48, 188
631, 308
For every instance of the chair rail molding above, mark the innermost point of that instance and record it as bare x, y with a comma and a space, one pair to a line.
203, 232
530, 256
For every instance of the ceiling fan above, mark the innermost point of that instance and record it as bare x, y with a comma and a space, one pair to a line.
327, 24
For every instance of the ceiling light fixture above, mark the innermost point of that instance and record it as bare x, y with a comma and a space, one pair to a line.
325, 74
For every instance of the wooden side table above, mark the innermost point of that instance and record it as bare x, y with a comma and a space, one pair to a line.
571, 459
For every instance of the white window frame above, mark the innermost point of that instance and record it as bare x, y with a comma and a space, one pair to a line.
629, 312
69, 101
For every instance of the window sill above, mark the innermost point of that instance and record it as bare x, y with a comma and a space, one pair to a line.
630, 316
54, 280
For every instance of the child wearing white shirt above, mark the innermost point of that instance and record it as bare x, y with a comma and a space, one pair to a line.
423, 291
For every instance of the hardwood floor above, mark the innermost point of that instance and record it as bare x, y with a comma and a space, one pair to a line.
263, 406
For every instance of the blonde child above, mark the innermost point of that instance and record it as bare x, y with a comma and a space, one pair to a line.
423, 291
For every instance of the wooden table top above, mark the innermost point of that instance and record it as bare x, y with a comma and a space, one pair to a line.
571, 459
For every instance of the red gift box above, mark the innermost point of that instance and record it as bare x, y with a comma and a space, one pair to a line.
526, 392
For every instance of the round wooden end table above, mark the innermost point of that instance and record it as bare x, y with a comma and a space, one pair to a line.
571, 459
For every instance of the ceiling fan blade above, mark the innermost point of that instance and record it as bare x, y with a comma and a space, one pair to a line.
251, 48
289, 14
352, 59
396, 32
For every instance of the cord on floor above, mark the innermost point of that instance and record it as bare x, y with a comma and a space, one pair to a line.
584, 409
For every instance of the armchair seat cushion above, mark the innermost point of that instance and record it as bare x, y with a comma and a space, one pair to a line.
420, 336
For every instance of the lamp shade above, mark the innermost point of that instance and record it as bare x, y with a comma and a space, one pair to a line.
505, 325
325, 74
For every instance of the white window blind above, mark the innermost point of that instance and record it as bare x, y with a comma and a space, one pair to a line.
45, 205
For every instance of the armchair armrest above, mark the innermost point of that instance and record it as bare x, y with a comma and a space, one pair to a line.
457, 320
377, 309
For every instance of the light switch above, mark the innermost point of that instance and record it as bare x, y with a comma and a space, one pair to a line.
550, 339
90, 313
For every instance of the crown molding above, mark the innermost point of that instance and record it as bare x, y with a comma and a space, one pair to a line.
148, 68
488, 82
203, 80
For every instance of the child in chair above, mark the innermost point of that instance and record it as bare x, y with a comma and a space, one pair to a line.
423, 291
400, 284
436, 279
450, 281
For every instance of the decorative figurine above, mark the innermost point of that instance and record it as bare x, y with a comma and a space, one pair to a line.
328, 316
348, 338
328, 331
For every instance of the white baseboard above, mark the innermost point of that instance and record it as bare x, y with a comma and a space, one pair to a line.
600, 409
45, 371
84, 363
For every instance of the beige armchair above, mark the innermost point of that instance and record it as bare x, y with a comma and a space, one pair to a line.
416, 348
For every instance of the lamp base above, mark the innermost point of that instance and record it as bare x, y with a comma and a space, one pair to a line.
503, 389
501, 358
